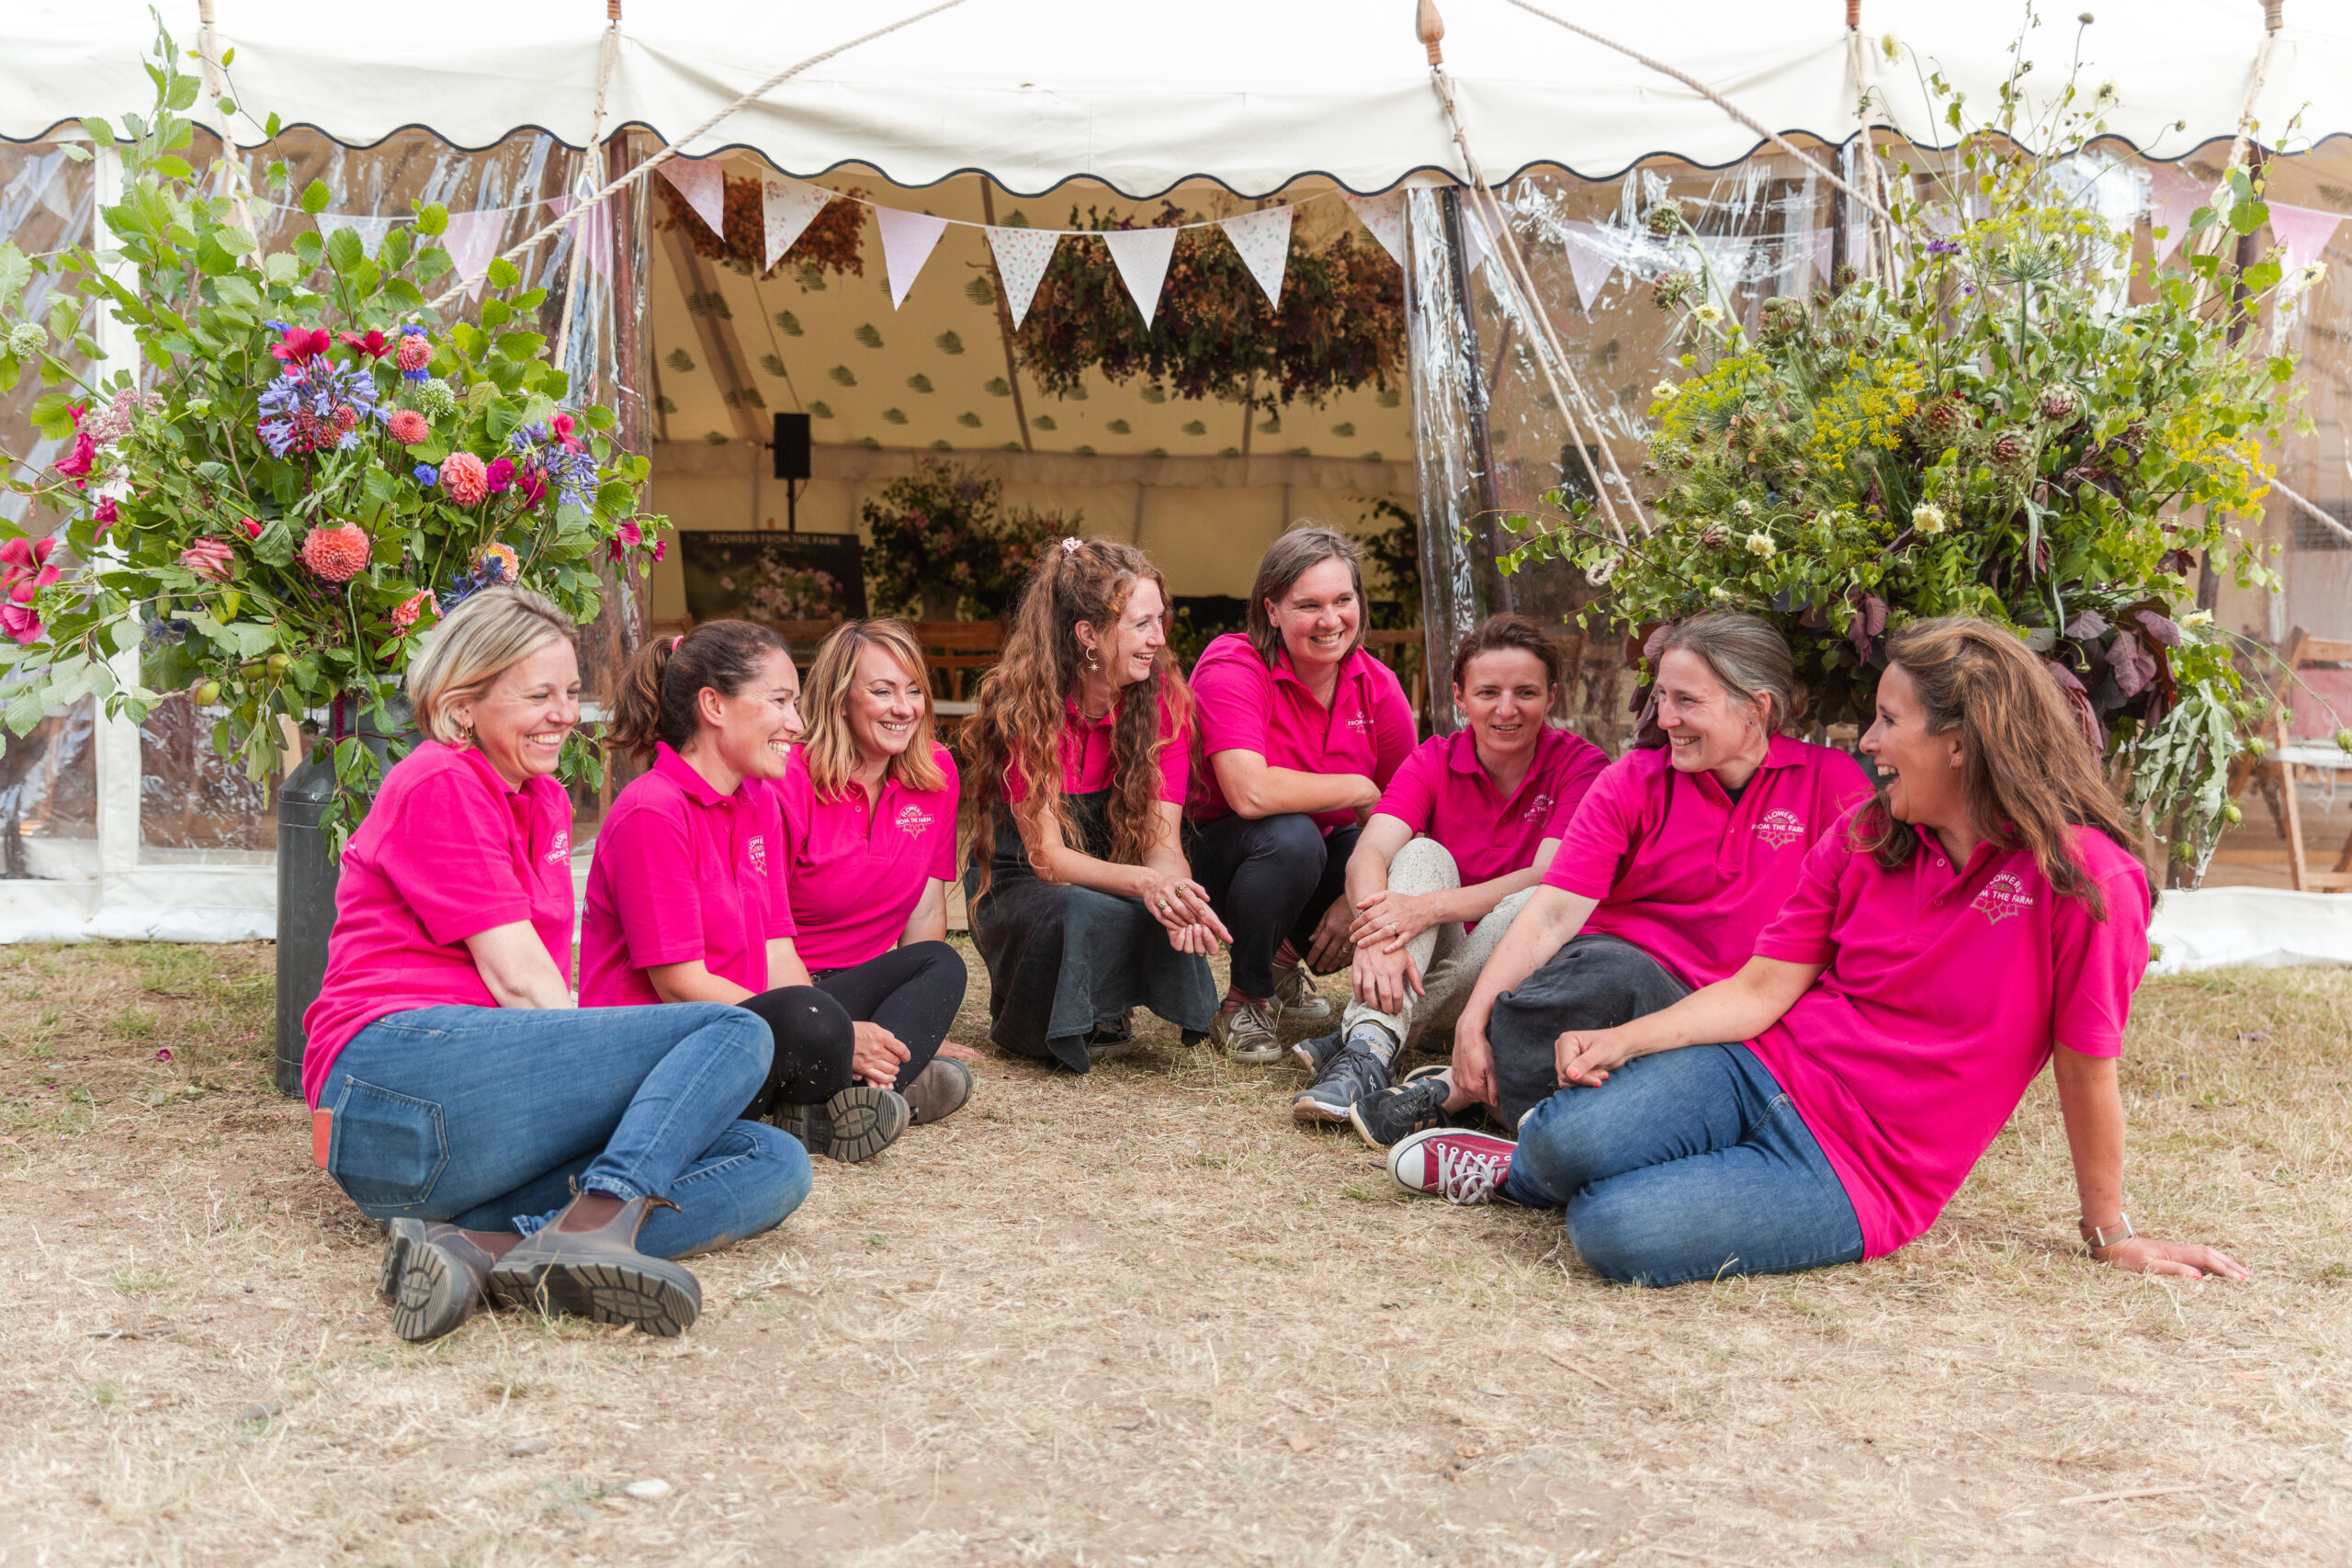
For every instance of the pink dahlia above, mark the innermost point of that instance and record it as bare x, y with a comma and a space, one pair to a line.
409, 428
415, 351
466, 478
498, 563
337, 553
210, 559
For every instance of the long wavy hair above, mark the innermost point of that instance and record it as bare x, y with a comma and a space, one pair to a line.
830, 750
2027, 774
1021, 717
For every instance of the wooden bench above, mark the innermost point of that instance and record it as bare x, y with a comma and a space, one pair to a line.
2301, 652
955, 649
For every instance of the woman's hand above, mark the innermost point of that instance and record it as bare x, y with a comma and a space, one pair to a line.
1474, 1058
1196, 939
2148, 1255
1383, 977
1391, 919
877, 1056
1177, 901
1329, 947
1584, 1057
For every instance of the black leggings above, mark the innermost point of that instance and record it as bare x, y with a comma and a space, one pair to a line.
912, 991
1269, 878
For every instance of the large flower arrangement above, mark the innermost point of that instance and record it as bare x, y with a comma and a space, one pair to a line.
304, 472
2018, 426
940, 542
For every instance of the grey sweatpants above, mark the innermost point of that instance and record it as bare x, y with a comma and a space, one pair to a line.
1593, 982
1446, 957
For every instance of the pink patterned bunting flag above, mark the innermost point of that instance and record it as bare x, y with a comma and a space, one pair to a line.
1263, 239
2303, 232
2172, 195
1021, 258
704, 185
1384, 216
1142, 257
786, 209
906, 242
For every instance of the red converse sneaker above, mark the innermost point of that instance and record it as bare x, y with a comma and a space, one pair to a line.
1448, 1163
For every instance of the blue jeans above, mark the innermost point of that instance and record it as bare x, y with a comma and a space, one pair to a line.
485, 1117
1686, 1165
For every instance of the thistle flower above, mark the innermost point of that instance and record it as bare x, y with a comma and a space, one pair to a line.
1715, 536
1940, 422
1665, 218
1672, 291
2059, 403
2011, 449
496, 563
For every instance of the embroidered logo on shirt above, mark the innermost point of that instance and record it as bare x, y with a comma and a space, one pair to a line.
1781, 829
1362, 721
913, 821
559, 847
760, 855
1537, 809
2005, 896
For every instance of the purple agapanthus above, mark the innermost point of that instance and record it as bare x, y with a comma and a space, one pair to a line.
1943, 247
565, 465
313, 406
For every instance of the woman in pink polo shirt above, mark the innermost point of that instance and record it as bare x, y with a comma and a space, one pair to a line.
1082, 907
1302, 730
869, 835
1878, 1063
516, 1146
687, 897
1680, 852
1488, 803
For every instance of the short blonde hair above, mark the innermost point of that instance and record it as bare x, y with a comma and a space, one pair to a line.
493, 630
829, 750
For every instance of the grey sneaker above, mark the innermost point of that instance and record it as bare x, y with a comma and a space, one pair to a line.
1247, 1034
1345, 1080
1412, 1106
1296, 997
855, 1125
1317, 1049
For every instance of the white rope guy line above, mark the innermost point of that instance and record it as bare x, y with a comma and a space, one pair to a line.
2313, 511
670, 150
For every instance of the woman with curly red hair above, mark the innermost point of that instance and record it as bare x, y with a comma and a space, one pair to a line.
1081, 903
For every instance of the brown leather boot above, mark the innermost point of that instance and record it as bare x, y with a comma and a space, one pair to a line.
434, 1276
599, 1274
938, 1090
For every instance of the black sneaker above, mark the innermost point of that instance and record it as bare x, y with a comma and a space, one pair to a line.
1316, 1050
1345, 1081
1393, 1113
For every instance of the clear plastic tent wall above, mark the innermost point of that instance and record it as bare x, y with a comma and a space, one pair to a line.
147, 821
1492, 440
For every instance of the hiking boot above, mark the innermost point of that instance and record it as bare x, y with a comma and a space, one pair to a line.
599, 1275
1344, 1080
1111, 1041
1246, 1033
1445, 1162
855, 1125
1416, 1103
938, 1090
1296, 997
1318, 1049
433, 1276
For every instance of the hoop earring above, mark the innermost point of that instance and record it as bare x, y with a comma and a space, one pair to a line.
465, 737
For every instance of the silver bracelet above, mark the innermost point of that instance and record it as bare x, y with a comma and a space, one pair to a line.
2098, 1237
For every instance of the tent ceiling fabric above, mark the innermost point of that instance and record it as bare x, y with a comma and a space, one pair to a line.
1142, 96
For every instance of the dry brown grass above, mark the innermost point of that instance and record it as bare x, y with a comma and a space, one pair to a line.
1139, 1318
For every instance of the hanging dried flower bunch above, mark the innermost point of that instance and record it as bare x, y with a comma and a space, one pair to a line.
830, 243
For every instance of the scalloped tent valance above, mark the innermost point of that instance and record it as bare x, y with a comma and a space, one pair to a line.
1251, 94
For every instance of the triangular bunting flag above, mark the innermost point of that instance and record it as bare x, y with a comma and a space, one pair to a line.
2303, 232
593, 230
704, 185
2172, 195
906, 242
371, 231
1021, 258
1384, 217
1263, 239
1823, 246
1591, 258
788, 208
1142, 256
1476, 239
471, 239
1727, 260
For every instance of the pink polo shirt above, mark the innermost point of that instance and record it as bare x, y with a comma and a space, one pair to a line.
857, 872
446, 851
681, 872
1087, 760
1684, 872
1368, 728
1443, 792
1941, 998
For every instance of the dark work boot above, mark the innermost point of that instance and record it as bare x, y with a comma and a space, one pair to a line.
599, 1275
434, 1276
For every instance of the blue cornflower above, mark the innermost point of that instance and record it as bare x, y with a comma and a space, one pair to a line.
427, 475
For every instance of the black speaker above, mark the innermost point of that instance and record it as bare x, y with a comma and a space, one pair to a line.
791, 446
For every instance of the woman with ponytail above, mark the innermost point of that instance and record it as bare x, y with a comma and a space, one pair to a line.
1081, 903
1982, 915
686, 898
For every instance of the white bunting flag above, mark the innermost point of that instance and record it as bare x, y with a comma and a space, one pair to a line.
1021, 258
1142, 256
1474, 242
1263, 239
786, 209
371, 231
704, 185
594, 228
1823, 243
1384, 217
906, 242
1592, 256
2173, 193
471, 239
